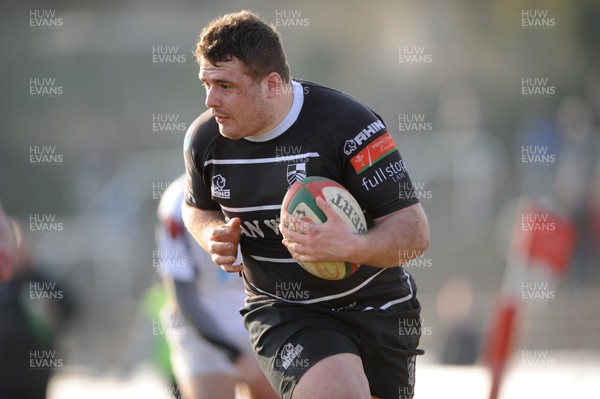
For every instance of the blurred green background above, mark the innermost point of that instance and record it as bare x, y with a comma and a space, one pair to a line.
106, 63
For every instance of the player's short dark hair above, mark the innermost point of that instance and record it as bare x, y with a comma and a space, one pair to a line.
245, 36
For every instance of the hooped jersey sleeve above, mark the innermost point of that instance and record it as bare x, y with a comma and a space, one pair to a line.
367, 160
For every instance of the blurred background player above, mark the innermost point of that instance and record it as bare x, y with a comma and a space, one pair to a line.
34, 309
210, 349
8, 246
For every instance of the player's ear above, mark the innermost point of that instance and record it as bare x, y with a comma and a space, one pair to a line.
274, 84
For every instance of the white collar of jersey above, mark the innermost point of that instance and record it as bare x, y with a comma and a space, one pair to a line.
289, 119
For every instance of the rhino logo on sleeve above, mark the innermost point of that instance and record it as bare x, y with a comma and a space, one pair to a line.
352, 144
218, 187
349, 147
219, 182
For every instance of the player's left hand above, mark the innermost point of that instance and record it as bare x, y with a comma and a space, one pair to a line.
310, 242
223, 245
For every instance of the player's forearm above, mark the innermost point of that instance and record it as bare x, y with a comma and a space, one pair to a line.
200, 223
395, 239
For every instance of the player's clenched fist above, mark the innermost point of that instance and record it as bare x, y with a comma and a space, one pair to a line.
223, 245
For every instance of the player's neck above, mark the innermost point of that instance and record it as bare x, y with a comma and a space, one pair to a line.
284, 102
281, 105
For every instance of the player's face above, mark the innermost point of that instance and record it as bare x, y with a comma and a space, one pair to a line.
237, 102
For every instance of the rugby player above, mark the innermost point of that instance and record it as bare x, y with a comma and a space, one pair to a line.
210, 349
262, 132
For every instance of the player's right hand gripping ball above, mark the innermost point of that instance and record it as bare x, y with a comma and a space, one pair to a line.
300, 203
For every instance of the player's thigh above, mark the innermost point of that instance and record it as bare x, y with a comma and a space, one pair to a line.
290, 339
339, 376
212, 386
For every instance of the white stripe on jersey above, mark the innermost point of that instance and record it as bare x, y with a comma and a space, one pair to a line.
252, 208
328, 297
261, 160
274, 260
395, 301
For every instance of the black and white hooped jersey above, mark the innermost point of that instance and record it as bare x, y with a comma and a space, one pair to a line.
326, 133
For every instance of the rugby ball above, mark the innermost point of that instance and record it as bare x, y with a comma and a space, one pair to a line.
300, 203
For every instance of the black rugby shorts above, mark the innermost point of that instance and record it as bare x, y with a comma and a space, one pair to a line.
290, 338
